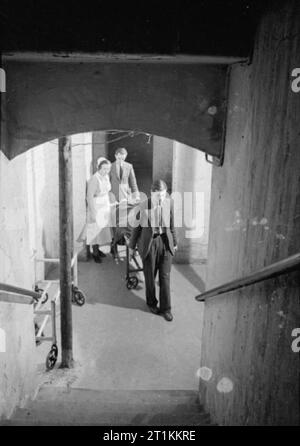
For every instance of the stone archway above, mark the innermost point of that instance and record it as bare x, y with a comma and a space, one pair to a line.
48, 97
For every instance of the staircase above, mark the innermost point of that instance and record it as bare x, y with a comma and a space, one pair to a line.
63, 406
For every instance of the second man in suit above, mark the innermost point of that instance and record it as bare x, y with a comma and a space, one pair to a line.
122, 178
124, 189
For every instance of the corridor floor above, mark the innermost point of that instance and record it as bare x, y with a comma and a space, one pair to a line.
119, 344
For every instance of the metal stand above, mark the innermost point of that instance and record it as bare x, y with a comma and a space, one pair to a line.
131, 281
78, 298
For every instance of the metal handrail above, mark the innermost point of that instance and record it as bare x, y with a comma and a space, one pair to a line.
273, 270
18, 290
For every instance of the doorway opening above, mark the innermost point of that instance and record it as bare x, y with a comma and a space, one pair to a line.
117, 341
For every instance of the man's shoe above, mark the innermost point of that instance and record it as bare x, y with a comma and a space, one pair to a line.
101, 254
153, 309
168, 316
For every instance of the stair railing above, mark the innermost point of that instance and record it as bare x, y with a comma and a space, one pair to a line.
20, 291
275, 269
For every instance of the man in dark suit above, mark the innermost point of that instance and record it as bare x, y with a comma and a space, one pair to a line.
122, 178
123, 188
156, 240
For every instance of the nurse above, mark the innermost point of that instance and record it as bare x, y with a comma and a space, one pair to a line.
98, 228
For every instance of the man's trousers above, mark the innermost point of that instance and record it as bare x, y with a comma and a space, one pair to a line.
159, 259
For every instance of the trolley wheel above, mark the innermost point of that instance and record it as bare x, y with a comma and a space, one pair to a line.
78, 297
52, 357
46, 297
40, 291
132, 282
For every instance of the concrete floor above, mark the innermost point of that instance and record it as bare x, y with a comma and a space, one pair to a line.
119, 344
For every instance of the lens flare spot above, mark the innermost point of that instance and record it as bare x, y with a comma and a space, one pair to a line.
225, 385
204, 373
212, 110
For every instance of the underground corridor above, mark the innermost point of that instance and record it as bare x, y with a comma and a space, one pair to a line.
222, 131
120, 348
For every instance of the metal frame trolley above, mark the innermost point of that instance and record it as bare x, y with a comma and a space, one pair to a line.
42, 309
122, 234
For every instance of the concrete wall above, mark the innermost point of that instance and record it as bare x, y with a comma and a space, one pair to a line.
17, 243
28, 225
17, 356
64, 96
17, 360
99, 148
16, 265
250, 374
42, 192
43, 195
163, 160
82, 170
192, 176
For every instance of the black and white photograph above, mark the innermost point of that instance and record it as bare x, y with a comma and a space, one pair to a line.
149, 216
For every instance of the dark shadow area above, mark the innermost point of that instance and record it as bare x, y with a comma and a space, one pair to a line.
190, 274
222, 27
105, 284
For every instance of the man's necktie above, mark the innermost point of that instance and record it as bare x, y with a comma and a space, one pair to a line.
121, 172
159, 208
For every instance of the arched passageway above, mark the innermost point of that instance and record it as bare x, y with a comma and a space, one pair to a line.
115, 320
55, 96
51, 96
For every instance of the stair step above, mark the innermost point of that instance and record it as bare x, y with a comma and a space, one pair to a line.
128, 397
80, 408
113, 419
71, 406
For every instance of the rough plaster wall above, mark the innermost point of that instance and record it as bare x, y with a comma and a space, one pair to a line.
192, 175
99, 148
16, 266
82, 168
44, 195
254, 222
28, 224
163, 160
17, 362
46, 100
